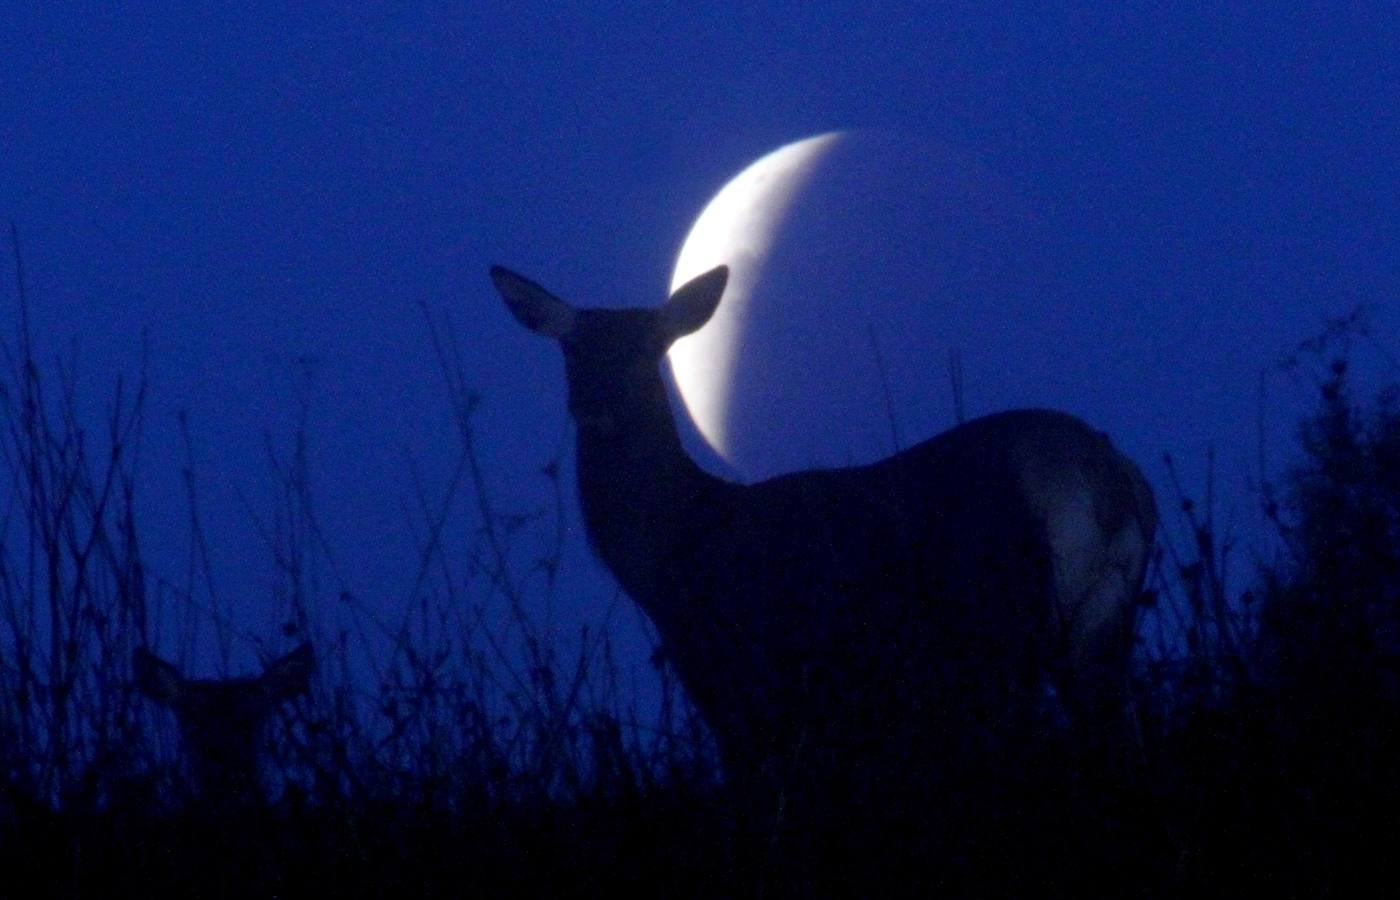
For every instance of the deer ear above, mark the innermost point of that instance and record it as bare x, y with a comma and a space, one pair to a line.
533, 306
155, 677
289, 676
693, 303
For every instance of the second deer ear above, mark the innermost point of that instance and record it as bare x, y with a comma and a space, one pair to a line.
155, 677
533, 306
694, 302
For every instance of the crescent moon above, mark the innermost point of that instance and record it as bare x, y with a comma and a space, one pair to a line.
737, 228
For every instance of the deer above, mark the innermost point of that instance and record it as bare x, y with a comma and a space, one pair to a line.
223, 722
840, 620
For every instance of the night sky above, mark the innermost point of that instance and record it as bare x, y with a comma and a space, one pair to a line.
274, 194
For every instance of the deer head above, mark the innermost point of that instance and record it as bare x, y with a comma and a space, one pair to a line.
222, 722
608, 349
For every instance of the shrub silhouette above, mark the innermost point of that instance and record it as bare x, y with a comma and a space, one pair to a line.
1332, 619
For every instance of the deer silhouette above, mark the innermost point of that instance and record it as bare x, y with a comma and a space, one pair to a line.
223, 722
838, 620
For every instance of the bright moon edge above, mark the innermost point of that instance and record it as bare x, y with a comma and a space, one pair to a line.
738, 228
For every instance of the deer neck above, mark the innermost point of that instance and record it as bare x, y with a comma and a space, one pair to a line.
635, 484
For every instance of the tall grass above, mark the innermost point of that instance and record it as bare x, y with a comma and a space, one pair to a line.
456, 748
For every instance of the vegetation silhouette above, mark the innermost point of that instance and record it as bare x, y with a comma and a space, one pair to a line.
477, 755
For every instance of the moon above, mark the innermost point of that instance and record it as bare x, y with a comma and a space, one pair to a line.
859, 261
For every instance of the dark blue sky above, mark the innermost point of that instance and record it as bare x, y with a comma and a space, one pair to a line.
257, 184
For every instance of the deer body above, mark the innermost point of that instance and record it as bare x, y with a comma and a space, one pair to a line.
840, 615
